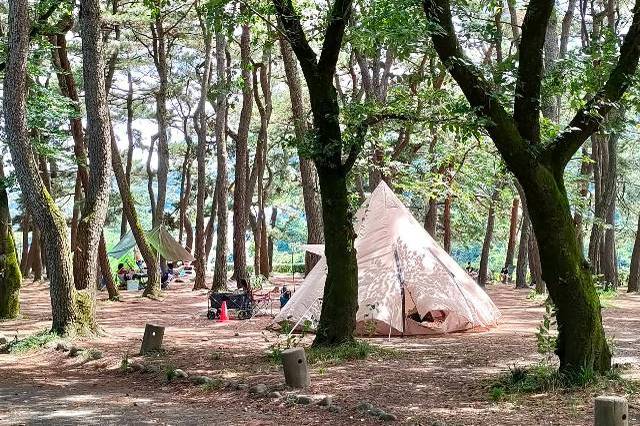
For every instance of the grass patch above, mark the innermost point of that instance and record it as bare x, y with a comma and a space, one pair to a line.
169, 372
213, 385
32, 342
543, 377
346, 352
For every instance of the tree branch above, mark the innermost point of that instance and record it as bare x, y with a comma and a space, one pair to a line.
290, 21
589, 118
526, 108
501, 126
333, 37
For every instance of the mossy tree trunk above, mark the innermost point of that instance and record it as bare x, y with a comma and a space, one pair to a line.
10, 276
539, 167
69, 310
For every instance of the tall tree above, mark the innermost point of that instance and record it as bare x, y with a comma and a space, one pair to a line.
68, 305
200, 124
539, 167
340, 299
98, 141
221, 193
308, 175
241, 186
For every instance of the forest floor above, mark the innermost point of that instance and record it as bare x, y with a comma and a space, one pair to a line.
438, 380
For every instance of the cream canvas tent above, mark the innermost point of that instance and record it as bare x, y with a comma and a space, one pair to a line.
407, 284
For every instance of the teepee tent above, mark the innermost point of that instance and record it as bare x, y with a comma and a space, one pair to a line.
407, 284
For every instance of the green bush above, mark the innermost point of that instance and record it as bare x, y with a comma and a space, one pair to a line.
34, 341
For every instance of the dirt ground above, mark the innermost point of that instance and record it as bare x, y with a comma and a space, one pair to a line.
437, 380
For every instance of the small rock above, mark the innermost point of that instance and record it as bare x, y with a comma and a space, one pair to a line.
259, 389
364, 406
200, 380
325, 402
275, 395
3, 340
4, 349
376, 412
180, 374
152, 369
74, 351
95, 354
387, 417
135, 404
303, 400
334, 408
242, 386
136, 366
62, 346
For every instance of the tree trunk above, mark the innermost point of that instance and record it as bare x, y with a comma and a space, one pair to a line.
105, 268
483, 272
129, 165
308, 175
220, 268
77, 201
67, 316
98, 136
240, 190
272, 224
534, 265
24, 258
209, 231
523, 249
634, 272
446, 224
35, 254
340, 299
128, 205
431, 218
10, 276
200, 124
150, 177
513, 233
160, 60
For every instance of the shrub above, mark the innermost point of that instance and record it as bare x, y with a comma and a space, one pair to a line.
34, 341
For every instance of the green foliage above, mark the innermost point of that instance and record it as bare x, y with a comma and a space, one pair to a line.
169, 372
212, 385
125, 362
544, 377
32, 342
546, 339
346, 352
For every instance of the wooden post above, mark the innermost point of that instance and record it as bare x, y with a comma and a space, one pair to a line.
152, 340
294, 363
611, 411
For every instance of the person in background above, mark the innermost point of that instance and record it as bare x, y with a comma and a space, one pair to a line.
123, 273
138, 257
285, 295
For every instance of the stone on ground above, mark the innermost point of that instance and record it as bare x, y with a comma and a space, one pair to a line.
303, 399
180, 374
325, 402
259, 389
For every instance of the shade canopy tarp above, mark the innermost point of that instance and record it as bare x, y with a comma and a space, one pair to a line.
407, 284
160, 240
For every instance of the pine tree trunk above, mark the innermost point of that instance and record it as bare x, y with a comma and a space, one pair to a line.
66, 315
98, 136
105, 268
308, 175
431, 218
272, 225
35, 254
128, 205
240, 190
220, 268
129, 165
200, 124
488, 236
634, 272
535, 266
24, 258
513, 234
446, 224
10, 276
523, 249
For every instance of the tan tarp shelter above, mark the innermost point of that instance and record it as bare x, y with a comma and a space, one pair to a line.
407, 284
160, 239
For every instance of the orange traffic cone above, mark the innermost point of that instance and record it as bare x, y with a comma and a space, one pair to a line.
223, 312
